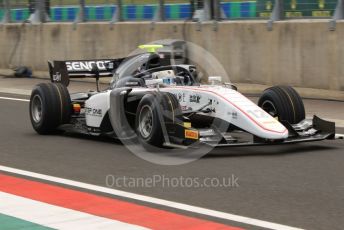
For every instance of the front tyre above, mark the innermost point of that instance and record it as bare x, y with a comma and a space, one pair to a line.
283, 103
50, 107
152, 114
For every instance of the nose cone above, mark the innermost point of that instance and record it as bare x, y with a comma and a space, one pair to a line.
272, 129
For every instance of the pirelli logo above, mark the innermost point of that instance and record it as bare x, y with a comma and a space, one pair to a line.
191, 134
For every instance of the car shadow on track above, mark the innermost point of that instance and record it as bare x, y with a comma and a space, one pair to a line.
271, 150
104, 139
274, 150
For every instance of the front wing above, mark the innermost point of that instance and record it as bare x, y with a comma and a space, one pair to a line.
315, 129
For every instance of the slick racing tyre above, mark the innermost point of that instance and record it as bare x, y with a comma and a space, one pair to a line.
153, 111
284, 103
50, 107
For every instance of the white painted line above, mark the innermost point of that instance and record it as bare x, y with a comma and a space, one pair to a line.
26, 92
339, 136
339, 123
14, 99
56, 217
152, 200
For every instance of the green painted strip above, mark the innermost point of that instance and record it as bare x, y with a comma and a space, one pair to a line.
235, 10
26, 14
155, 8
52, 15
253, 9
64, 14
92, 13
174, 11
139, 12
107, 13
12, 223
124, 12
13, 15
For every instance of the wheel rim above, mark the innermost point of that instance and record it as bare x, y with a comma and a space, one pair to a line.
146, 121
270, 108
36, 108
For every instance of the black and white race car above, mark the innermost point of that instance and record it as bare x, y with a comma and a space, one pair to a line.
165, 105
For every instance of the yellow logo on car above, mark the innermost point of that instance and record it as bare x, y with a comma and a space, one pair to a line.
187, 125
191, 134
151, 48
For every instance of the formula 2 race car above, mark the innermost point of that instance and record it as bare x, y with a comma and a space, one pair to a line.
165, 105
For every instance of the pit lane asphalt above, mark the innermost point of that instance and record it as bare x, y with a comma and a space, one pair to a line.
298, 185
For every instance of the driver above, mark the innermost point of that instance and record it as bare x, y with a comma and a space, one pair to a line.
168, 77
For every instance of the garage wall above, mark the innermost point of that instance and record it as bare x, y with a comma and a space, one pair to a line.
301, 53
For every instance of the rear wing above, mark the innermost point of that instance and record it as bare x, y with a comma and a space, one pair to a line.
62, 71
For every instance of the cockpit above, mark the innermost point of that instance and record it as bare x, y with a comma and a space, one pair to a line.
149, 68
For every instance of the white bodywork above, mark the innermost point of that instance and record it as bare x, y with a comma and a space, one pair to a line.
96, 108
224, 103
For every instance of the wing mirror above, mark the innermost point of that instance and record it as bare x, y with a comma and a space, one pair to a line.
95, 71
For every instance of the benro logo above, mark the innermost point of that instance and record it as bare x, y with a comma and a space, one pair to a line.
93, 112
86, 65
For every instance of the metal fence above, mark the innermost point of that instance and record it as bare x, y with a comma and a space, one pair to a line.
37, 11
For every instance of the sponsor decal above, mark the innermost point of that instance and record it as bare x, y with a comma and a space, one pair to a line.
109, 64
191, 134
187, 125
93, 130
234, 115
76, 108
93, 112
57, 77
181, 97
258, 113
213, 101
87, 65
186, 108
195, 98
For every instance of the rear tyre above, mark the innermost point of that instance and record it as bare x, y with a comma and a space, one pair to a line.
50, 107
284, 103
149, 123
